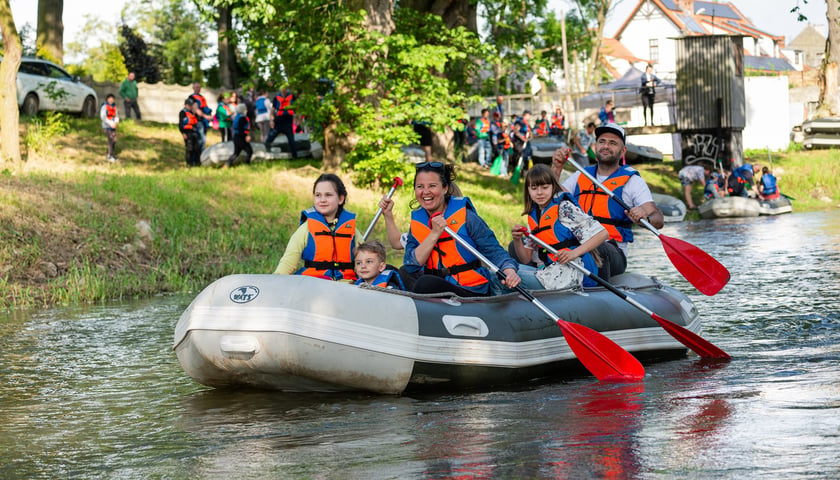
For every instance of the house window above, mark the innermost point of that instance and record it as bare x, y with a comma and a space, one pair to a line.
653, 46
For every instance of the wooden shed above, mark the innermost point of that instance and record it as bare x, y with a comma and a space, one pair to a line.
710, 98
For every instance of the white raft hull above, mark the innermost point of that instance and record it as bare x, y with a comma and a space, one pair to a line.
295, 333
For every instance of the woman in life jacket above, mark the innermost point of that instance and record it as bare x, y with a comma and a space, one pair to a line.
555, 218
434, 261
768, 188
326, 238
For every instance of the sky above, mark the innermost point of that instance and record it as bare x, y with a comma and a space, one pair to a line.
772, 16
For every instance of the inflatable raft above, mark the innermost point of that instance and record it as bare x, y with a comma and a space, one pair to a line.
542, 149
743, 207
296, 333
673, 209
217, 154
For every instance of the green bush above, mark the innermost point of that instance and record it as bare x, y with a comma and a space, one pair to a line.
41, 135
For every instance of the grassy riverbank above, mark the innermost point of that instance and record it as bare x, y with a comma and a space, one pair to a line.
75, 227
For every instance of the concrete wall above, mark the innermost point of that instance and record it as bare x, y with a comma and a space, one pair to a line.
158, 102
768, 122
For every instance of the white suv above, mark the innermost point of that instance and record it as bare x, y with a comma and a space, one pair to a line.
43, 85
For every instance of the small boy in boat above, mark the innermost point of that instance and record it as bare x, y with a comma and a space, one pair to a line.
372, 269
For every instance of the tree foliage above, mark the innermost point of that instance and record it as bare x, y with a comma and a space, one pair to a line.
97, 45
136, 55
381, 77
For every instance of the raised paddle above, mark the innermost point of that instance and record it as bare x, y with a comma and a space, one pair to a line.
695, 342
600, 355
397, 183
698, 267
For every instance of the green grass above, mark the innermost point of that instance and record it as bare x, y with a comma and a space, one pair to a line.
78, 213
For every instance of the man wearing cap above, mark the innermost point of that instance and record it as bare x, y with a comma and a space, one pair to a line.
625, 182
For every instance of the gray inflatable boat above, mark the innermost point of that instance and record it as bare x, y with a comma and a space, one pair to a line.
297, 333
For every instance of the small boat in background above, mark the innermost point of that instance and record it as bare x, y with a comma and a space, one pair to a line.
673, 209
744, 207
641, 153
217, 154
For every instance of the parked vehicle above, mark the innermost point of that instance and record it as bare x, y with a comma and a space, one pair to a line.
43, 85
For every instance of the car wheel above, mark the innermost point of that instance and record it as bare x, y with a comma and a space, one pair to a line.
30, 105
89, 108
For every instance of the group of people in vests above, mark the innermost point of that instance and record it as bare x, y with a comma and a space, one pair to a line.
737, 182
577, 219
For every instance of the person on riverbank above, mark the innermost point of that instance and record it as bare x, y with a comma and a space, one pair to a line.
558, 125
372, 269
648, 92
262, 107
326, 239
204, 113
241, 135
521, 141
582, 144
224, 116
482, 132
691, 174
625, 182
713, 186
128, 92
555, 218
110, 118
188, 122
606, 115
435, 262
767, 188
542, 126
283, 120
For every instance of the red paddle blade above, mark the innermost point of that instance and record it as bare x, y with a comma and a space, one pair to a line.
698, 267
600, 355
695, 342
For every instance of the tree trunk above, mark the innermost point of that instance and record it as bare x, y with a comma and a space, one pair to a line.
590, 81
829, 78
455, 13
12, 51
50, 40
227, 57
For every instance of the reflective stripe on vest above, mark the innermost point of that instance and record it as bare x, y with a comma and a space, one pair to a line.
595, 202
448, 259
549, 229
329, 253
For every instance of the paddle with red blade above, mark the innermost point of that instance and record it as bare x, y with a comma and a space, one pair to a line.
698, 267
604, 358
695, 342
397, 183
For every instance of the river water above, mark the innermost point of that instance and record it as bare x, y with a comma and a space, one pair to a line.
97, 392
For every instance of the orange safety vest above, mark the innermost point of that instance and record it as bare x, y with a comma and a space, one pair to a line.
284, 104
541, 128
595, 202
328, 252
110, 111
199, 98
549, 229
557, 122
191, 120
448, 259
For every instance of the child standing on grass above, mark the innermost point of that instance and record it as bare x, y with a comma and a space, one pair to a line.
188, 125
371, 267
326, 237
224, 112
110, 118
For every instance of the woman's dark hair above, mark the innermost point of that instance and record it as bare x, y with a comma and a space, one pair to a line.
337, 183
447, 177
539, 174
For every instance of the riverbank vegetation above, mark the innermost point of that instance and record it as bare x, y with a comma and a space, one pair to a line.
77, 229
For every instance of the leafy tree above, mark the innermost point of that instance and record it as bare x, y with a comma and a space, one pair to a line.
97, 44
137, 58
12, 50
386, 66
50, 39
176, 35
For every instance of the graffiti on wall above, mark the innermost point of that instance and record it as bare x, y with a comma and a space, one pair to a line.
701, 147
